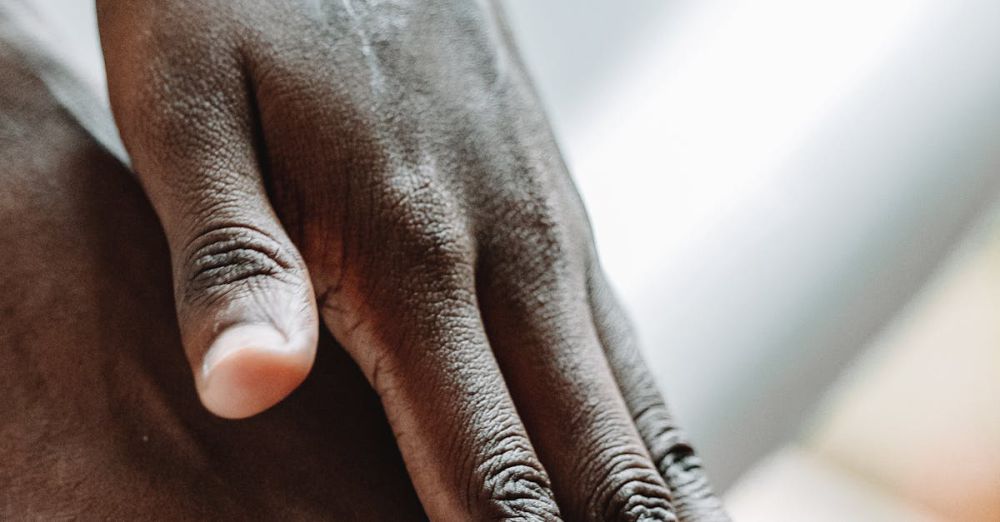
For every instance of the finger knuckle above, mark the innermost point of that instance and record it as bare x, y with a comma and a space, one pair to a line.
515, 485
680, 467
666, 441
534, 241
230, 258
672, 453
693, 494
539, 225
425, 219
519, 494
440, 246
631, 491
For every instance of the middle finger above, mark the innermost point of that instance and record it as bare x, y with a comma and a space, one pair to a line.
540, 328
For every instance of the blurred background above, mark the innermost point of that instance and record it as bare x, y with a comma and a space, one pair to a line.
799, 203
796, 202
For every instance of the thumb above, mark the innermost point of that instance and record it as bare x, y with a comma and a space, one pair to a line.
245, 306
245, 309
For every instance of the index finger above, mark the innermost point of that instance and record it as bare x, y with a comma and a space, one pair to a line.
458, 430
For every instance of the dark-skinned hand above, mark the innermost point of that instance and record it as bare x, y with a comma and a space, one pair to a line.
385, 166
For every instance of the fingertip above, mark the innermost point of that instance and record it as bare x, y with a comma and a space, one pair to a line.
250, 368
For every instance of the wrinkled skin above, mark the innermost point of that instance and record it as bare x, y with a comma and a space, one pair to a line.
429, 212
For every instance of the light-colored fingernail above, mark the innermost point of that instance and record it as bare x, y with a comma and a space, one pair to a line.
249, 368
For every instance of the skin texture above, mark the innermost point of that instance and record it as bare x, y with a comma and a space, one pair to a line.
99, 419
385, 167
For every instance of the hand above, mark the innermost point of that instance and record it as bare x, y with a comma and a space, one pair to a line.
401, 146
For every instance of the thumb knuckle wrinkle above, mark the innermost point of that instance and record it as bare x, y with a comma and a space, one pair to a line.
226, 259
